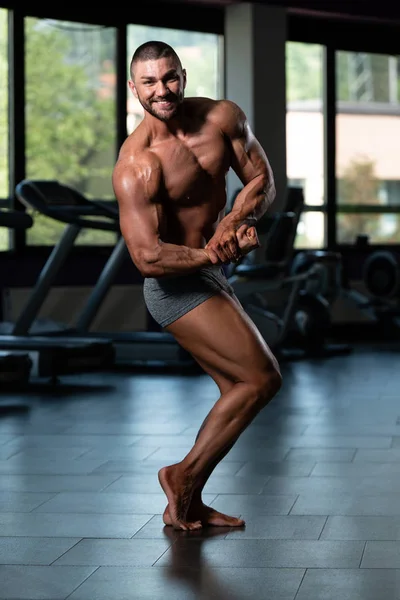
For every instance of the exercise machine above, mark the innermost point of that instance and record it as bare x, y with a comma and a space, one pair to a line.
15, 372
48, 357
289, 296
64, 204
380, 302
267, 291
15, 366
313, 322
15, 369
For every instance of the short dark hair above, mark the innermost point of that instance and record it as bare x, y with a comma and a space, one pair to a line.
153, 51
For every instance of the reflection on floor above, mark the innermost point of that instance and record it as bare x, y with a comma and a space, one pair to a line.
316, 477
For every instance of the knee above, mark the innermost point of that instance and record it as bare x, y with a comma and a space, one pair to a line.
271, 383
267, 384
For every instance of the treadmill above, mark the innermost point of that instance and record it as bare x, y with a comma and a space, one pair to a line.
132, 349
15, 365
42, 355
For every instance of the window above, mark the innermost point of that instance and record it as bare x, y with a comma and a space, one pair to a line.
4, 234
70, 115
368, 147
305, 137
200, 54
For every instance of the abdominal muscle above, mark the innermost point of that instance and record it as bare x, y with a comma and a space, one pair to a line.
192, 226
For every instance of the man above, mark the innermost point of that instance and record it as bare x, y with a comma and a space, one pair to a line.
169, 182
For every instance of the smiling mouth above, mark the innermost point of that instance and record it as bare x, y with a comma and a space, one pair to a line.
165, 103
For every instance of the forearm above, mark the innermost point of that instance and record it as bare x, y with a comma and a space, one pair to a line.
170, 260
253, 201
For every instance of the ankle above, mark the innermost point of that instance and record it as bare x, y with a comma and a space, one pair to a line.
187, 471
179, 471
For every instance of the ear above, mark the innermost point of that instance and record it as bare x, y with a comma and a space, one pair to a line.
132, 87
184, 78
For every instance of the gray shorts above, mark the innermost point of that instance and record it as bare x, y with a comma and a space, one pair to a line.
169, 298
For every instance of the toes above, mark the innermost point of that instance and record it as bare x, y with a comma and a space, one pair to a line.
194, 525
179, 525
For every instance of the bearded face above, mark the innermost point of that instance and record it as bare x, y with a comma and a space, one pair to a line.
159, 86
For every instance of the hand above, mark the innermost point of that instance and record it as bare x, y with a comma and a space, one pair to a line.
247, 239
223, 247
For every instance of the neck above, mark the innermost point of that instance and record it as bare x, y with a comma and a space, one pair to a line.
164, 129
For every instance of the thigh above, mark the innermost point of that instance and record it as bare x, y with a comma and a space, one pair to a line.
224, 340
223, 382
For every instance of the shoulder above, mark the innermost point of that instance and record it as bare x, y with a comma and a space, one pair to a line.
198, 105
229, 117
210, 107
135, 158
225, 114
137, 169
228, 109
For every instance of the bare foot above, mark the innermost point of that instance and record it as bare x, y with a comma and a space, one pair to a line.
179, 492
207, 516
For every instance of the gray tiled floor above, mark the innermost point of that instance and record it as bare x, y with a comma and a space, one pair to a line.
316, 477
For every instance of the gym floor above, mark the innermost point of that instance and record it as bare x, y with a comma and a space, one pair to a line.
316, 476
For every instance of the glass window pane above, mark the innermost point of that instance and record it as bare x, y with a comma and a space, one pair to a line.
4, 244
200, 54
310, 231
4, 237
366, 78
380, 229
305, 136
305, 120
70, 115
367, 142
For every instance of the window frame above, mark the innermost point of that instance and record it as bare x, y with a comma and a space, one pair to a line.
355, 35
189, 17
335, 35
324, 207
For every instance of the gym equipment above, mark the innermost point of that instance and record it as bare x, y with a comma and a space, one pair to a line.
15, 370
311, 324
327, 272
312, 320
49, 357
15, 367
381, 300
65, 204
267, 291
289, 295
381, 274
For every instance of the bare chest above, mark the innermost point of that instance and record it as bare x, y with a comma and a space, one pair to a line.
193, 167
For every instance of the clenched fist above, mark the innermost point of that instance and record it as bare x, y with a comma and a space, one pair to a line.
234, 244
223, 246
247, 239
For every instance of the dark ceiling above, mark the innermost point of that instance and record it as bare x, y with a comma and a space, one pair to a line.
210, 13
381, 10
